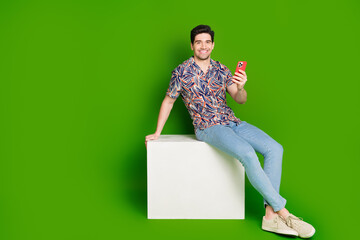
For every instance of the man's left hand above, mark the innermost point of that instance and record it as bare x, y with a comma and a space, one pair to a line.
239, 79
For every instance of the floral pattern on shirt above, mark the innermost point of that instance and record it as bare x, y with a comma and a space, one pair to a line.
204, 94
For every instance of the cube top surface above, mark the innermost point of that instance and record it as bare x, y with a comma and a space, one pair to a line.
177, 138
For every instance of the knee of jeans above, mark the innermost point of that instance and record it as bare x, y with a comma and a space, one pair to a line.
274, 148
277, 147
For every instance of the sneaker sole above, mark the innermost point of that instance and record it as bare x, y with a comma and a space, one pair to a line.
285, 232
309, 235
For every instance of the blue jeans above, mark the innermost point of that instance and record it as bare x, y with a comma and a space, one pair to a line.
241, 140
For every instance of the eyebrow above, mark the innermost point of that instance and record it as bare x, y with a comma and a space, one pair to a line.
200, 40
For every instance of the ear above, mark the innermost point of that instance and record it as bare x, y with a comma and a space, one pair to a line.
191, 45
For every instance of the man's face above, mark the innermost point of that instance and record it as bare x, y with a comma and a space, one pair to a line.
202, 46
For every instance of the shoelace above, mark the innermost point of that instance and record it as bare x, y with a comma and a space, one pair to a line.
280, 220
291, 220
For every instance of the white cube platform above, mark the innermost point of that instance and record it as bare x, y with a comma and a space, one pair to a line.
190, 179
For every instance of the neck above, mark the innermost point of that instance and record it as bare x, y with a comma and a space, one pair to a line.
203, 64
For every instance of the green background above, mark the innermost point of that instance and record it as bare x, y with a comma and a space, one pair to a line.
82, 83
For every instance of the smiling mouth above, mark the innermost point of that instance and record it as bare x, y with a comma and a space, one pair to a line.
203, 51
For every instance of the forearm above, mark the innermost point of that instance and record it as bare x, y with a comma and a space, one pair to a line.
241, 96
163, 115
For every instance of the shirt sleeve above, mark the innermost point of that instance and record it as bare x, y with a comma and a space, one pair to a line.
228, 77
174, 85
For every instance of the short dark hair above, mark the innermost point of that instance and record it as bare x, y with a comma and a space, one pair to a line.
201, 29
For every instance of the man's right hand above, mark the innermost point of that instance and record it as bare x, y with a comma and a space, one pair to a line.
151, 137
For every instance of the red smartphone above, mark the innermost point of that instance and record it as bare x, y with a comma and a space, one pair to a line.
241, 65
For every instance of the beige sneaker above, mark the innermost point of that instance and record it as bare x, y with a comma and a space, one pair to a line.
278, 225
304, 229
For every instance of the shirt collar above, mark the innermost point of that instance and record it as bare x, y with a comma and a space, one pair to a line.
192, 61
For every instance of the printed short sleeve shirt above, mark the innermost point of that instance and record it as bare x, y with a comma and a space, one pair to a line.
204, 94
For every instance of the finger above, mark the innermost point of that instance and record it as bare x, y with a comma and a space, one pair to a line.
240, 82
242, 72
238, 78
241, 78
239, 74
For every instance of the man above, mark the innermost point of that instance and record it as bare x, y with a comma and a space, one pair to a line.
202, 84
